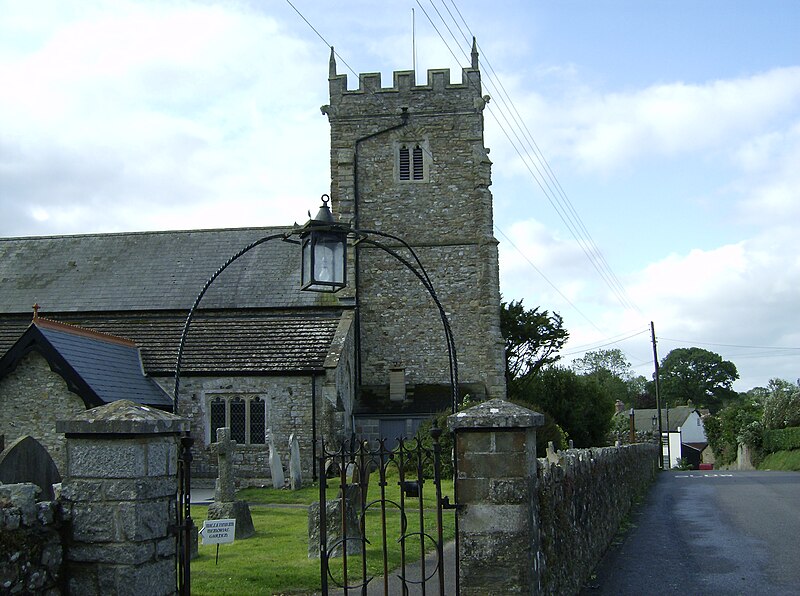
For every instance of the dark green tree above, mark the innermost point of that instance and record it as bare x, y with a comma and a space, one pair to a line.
698, 375
577, 404
532, 340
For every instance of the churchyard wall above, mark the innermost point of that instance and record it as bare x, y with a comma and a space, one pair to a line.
582, 499
32, 398
31, 552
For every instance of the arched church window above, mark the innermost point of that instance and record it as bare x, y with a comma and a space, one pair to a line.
245, 416
238, 421
258, 421
217, 416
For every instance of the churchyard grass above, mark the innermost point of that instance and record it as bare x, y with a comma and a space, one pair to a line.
275, 560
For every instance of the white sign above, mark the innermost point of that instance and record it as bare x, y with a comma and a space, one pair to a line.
218, 531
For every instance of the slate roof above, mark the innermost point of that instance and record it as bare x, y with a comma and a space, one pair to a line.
99, 368
257, 342
151, 271
643, 419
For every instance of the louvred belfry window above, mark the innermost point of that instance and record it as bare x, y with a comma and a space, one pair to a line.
405, 163
411, 163
418, 170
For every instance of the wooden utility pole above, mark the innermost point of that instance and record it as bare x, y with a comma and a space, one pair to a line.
658, 402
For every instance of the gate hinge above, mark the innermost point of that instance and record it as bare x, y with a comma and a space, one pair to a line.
446, 504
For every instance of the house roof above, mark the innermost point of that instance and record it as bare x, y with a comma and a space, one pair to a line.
151, 271
643, 418
252, 342
100, 368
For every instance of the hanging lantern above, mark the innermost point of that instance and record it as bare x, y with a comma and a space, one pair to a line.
324, 246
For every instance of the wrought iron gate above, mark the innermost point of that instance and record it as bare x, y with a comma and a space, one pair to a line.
354, 519
184, 526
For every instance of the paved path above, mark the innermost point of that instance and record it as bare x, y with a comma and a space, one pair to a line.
376, 587
714, 533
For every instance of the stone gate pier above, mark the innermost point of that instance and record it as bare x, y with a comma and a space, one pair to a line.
118, 495
536, 526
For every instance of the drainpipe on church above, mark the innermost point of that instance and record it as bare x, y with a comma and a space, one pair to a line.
314, 375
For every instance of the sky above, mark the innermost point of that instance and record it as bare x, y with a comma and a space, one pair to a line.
646, 155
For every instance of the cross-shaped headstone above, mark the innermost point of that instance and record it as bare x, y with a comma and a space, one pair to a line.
224, 447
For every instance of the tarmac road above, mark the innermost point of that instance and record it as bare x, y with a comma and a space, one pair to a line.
709, 533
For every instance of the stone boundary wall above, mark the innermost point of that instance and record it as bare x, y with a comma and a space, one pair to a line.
582, 499
31, 551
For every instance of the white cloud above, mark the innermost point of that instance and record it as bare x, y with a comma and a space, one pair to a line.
606, 132
169, 107
770, 181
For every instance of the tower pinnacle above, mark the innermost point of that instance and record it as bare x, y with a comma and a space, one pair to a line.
332, 64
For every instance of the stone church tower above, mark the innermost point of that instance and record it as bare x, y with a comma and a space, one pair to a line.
410, 160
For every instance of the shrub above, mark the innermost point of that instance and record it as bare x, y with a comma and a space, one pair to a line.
782, 405
784, 439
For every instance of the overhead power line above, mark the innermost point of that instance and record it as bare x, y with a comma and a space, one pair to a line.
519, 136
513, 125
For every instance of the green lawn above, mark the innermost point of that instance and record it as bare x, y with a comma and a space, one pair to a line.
275, 560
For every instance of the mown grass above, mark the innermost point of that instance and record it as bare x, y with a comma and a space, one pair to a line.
275, 560
781, 460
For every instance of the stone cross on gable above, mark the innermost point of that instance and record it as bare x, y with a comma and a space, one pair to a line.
225, 490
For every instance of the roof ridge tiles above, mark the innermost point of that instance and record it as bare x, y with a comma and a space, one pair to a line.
43, 322
143, 233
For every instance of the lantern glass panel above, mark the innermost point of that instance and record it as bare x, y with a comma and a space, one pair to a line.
323, 262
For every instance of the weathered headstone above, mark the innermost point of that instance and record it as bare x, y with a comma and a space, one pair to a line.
26, 460
275, 466
295, 471
225, 505
351, 501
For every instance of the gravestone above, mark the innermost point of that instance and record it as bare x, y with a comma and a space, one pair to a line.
351, 501
275, 466
225, 505
295, 472
26, 460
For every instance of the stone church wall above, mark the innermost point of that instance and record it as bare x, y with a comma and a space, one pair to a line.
32, 398
288, 410
446, 216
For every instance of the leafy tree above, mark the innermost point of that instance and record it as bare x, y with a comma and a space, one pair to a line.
613, 361
532, 341
781, 404
698, 375
578, 404
612, 371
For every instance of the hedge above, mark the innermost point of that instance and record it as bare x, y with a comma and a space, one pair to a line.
784, 439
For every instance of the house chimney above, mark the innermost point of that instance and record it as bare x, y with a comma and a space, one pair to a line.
397, 383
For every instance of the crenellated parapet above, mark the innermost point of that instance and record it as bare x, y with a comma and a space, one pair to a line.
438, 93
